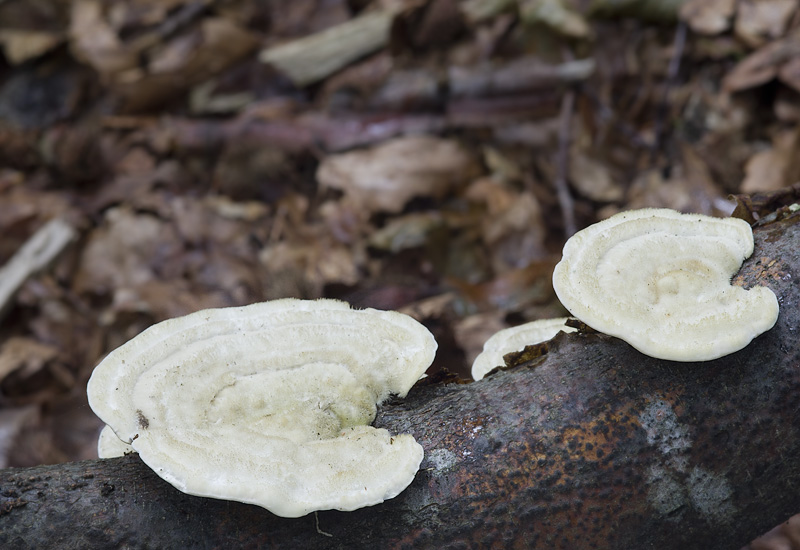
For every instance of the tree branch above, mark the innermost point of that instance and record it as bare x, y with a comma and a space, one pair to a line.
585, 443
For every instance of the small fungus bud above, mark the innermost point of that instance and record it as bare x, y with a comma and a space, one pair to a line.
514, 339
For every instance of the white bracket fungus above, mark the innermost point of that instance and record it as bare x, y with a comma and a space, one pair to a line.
268, 404
514, 339
110, 446
660, 280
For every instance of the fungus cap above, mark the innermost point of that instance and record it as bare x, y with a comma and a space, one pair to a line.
514, 339
660, 280
269, 403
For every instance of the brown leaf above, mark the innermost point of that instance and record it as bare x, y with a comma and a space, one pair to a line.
471, 332
513, 228
708, 16
125, 252
363, 77
762, 65
773, 168
764, 206
789, 73
381, 178
188, 59
404, 232
25, 355
20, 46
760, 20
429, 308
592, 178
303, 268
94, 41
690, 188
514, 290
556, 15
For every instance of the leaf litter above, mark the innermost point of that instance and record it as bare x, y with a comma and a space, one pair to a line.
206, 157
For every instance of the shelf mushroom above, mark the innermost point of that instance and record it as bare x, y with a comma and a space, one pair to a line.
110, 446
660, 280
268, 404
514, 339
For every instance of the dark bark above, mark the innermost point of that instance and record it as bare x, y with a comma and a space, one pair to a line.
586, 443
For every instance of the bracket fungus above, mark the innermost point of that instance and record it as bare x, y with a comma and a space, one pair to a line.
110, 446
268, 404
513, 339
660, 280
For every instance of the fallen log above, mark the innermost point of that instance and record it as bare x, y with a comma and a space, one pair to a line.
584, 443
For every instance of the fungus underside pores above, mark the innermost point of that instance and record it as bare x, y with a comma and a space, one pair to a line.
660, 280
268, 404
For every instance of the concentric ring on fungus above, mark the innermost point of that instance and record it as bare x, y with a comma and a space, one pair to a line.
660, 280
270, 403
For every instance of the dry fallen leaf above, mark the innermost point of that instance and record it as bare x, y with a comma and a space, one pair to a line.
125, 252
762, 65
94, 41
24, 356
514, 290
404, 232
303, 268
773, 168
556, 15
592, 178
471, 332
708, 16
760, 20
384, 178
20, 46
789, 73
689, 188
186, 60
513, 228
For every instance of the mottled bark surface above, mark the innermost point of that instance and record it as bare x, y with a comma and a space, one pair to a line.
589, 445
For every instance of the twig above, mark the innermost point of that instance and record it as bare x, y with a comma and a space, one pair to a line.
562, 171
678, 46
37, 252
606, 116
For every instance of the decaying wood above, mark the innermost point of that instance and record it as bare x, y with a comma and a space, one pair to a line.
585, 443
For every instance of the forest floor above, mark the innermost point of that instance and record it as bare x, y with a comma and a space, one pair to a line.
429, 157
